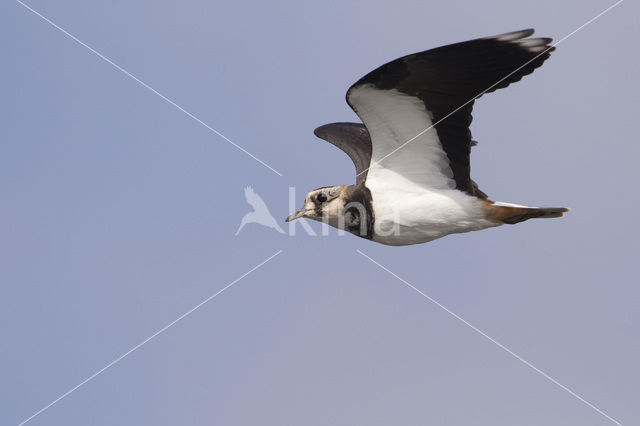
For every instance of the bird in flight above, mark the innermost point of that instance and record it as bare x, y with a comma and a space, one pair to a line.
412, 152
260, 213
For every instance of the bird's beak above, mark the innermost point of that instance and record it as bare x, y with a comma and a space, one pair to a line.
300, 213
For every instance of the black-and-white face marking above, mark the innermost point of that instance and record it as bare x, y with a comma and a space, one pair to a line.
319, 204
322, 195
343, 207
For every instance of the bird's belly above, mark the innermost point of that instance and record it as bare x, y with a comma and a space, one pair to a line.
407, 235
404, 219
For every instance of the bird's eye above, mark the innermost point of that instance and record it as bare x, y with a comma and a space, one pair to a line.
321, 197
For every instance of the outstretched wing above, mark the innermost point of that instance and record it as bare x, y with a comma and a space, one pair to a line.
354, 140
417, 108
254, 200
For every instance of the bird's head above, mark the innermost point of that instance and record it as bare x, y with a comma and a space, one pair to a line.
323, 204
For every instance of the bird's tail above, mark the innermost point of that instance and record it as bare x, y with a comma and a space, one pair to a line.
513, 213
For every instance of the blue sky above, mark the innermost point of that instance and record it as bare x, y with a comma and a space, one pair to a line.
119, 215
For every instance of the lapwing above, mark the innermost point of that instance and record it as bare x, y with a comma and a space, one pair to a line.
412, 153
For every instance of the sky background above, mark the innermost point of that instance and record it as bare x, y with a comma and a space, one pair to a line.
119, 212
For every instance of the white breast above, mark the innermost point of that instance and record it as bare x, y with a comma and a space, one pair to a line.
417, 215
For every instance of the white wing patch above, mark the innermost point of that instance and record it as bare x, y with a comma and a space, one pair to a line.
393, 118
